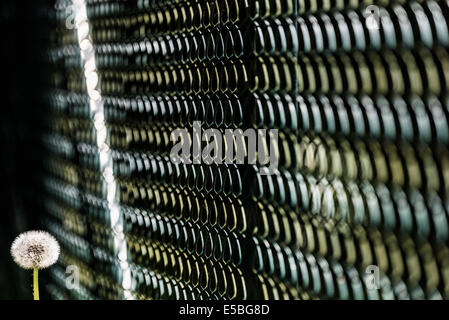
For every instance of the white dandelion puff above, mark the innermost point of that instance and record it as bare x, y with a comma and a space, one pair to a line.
35, 250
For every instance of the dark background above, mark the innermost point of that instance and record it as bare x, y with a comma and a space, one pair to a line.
24, 27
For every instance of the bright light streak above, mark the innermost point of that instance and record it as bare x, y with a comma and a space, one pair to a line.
97, 113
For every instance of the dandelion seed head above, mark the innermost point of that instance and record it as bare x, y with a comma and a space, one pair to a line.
35, 249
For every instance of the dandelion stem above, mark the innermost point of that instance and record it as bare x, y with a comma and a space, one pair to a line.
35, 284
